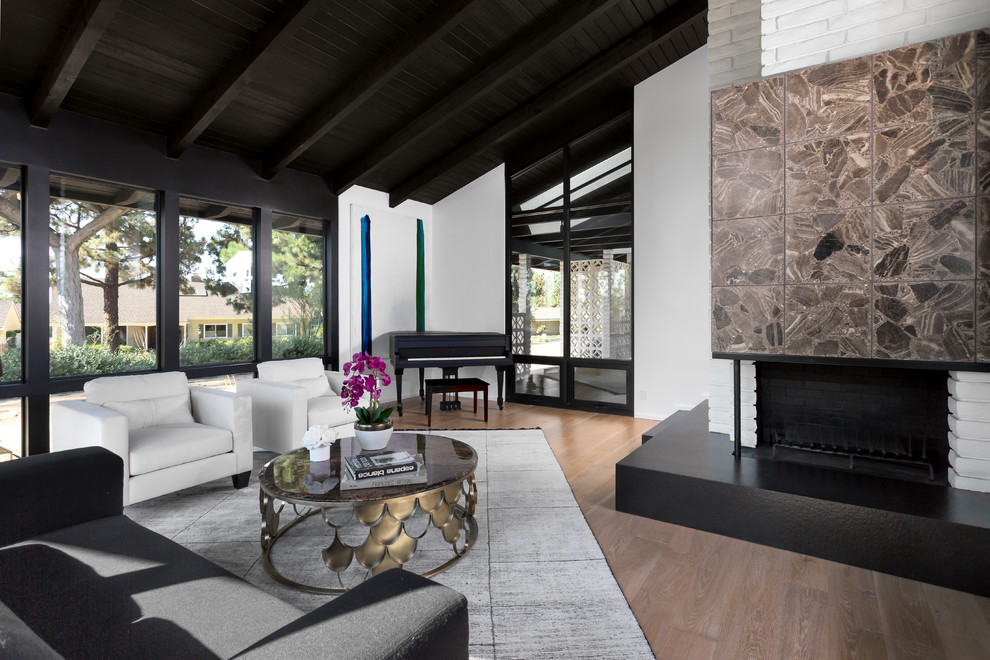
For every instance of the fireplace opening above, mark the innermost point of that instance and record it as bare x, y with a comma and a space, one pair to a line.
890, 422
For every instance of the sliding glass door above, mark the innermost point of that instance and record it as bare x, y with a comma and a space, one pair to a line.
570, 228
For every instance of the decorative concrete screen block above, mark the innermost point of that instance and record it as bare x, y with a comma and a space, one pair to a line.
969, 430
851, 203
721, 404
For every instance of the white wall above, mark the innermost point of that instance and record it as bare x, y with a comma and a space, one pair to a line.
803, 33
671, 252
349, 255
467, 253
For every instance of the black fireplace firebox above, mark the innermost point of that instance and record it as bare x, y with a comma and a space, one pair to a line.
883, 420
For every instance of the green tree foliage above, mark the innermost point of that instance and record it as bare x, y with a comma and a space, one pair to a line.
544, 288
297, 275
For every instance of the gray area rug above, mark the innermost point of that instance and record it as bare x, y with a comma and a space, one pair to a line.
536, 581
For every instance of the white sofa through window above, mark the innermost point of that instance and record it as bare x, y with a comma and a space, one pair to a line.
289, 396
170, 435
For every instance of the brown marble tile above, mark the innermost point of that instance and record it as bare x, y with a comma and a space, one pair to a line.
983, 237
983, 70
748, 251
829, 246
748, 116
924, 321
925, 241
748, 319
925, 81
826, 101
828, 174
828, 320
748, 184
983, 321
983, 154
924, 161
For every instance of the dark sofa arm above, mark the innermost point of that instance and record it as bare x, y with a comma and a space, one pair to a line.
42, 493
396, 615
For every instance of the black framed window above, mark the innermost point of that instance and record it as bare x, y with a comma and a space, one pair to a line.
94, 279
570, 271
103, 262
298, 289
216, 291
11, 310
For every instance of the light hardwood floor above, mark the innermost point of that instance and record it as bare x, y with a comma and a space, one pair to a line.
699, 595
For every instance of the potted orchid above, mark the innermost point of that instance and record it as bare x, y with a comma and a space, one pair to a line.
366, 376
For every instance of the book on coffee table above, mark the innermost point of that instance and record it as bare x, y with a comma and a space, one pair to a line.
412, 477
383, 464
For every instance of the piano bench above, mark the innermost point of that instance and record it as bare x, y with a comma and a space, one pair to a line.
451, 386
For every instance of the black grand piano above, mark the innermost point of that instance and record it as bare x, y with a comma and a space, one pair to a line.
448, 351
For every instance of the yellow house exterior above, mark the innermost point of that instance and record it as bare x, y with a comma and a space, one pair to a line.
202, 317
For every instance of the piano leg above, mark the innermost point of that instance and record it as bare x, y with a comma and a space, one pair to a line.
500, 375
398, 390
421, 396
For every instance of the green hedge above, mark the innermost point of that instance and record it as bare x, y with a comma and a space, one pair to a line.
89, 359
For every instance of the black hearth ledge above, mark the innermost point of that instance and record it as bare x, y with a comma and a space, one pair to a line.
685, 475
855, 362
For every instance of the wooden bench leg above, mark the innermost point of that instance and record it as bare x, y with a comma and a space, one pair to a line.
476, 402
429, 412
486, 405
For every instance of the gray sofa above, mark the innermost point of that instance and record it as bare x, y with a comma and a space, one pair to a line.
80, 580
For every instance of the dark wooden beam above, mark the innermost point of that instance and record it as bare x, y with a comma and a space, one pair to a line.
280, 29
345, 101
608, 149
529, 47
63, 68
577, 126
657, 31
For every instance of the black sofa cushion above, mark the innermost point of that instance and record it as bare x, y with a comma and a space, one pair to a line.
19, 641
409, 616
112, 588
51, 491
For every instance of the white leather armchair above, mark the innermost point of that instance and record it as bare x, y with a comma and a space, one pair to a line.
170, 435
289, 396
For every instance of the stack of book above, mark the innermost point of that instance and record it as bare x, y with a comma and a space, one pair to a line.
381, 469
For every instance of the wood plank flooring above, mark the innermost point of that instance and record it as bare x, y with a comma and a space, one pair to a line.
699, 596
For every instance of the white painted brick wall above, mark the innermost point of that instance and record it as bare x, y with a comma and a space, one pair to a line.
720, 400
969, 430
801, 33
734, 51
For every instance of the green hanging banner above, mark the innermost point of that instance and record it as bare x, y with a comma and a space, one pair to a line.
420, 278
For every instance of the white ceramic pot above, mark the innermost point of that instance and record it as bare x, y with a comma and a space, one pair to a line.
319, 454
373, 436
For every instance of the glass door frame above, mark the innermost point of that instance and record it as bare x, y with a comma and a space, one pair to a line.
566, 363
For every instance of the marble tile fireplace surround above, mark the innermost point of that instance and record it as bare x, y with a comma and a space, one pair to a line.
851, 227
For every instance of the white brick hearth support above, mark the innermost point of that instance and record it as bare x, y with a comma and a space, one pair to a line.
969, 430
720, 401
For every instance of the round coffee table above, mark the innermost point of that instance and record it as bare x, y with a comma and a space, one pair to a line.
448, 497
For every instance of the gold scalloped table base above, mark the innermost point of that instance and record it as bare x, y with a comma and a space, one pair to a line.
388, 544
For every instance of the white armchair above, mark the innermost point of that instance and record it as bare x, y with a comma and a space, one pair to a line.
289, 396
170, 435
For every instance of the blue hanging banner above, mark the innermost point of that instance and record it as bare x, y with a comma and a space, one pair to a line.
366, 284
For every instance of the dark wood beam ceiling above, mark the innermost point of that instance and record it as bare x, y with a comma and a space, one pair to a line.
88, 26
583, 123
657, 31
349, 99
529, 47
222, 91
415, 98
